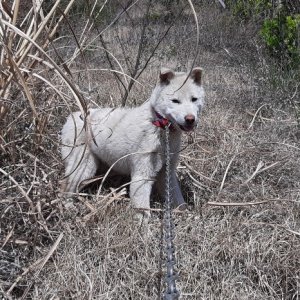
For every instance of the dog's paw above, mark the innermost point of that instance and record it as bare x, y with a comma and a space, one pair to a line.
181, 207
141, 220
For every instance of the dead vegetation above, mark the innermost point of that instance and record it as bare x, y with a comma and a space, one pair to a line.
239, 172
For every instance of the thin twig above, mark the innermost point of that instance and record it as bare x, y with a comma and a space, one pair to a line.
259, 170
139, 54
255, 115
226, 172
274, 226
43, 262
198, 173
212, 203
19, 187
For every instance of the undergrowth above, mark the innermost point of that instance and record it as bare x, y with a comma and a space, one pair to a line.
239, 172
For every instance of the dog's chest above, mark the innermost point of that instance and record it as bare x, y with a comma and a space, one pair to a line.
124, 149
126, 140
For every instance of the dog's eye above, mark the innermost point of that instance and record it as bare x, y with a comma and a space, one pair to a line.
175, 101
194, 99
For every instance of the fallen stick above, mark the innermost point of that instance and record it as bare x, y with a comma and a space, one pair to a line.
248, 203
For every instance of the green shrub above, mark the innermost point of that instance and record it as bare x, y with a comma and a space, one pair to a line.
281, 35
279, 23
246, 9
271, 34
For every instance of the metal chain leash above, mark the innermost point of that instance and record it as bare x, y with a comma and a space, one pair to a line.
171, 292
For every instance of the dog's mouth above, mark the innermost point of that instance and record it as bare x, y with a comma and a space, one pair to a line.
186, 128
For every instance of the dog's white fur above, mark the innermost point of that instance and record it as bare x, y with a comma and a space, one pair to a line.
128, 137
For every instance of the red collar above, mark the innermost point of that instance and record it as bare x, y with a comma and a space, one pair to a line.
162, 122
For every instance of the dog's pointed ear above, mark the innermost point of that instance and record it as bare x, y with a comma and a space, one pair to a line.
196, 75
166, 75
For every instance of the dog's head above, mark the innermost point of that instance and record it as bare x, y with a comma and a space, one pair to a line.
179, 97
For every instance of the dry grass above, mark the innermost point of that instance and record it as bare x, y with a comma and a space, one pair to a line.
245, 153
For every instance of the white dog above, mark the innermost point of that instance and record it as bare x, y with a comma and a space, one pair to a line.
132, 140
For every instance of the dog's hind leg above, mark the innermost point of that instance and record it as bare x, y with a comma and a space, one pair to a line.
140, 191
80, 165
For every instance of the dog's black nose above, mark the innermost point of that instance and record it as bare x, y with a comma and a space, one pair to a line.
189, 119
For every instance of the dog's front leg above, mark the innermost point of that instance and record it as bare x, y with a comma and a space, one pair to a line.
175, 191
140, 191
177, 198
